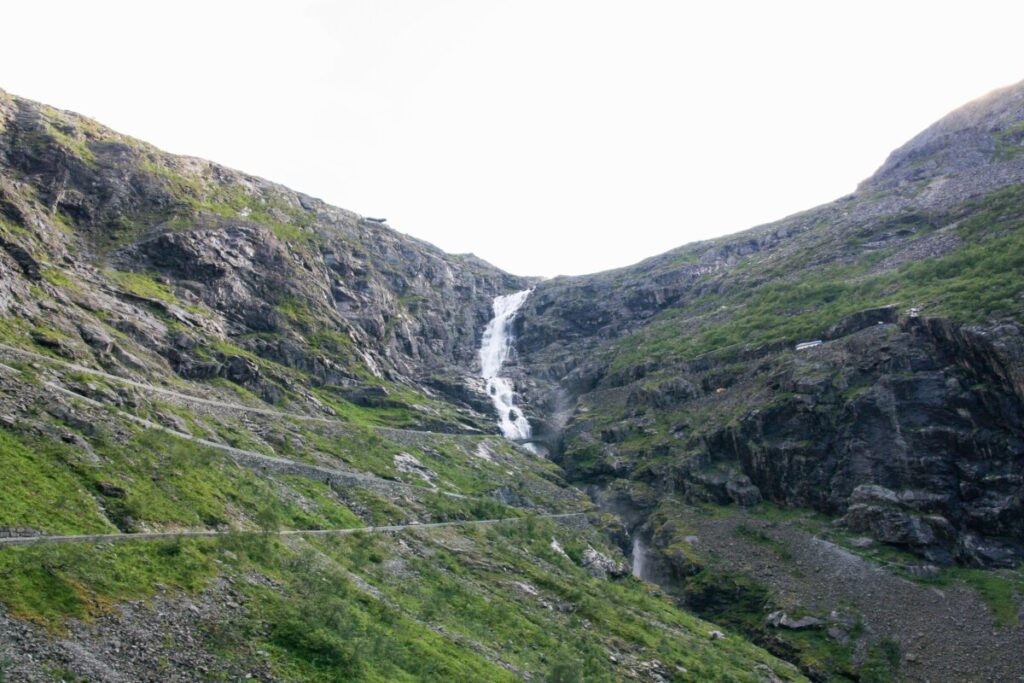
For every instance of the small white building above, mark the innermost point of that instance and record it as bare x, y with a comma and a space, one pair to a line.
808, 345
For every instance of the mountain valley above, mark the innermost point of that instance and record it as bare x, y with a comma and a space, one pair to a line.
247, 435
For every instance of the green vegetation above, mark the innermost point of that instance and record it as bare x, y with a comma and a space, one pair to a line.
144, 285
49, 583
979, 281
202, 199
460, 603
1001, 589
58, 278
41, 339
736, 600
40, 492
456, 603
882, 662
1010, 142
364, 607
56, 129
57, 488
759, 536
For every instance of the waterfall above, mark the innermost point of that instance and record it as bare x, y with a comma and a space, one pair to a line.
639, 558
494, 350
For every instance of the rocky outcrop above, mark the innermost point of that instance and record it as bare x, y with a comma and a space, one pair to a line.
780, 619
902, 432
975, 145
600, 566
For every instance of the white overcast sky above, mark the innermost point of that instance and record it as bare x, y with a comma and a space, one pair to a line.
548, 137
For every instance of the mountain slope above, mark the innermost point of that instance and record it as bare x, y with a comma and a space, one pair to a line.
294, 280
678, 382
185, 348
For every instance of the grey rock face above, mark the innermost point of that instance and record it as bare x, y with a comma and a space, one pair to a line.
912, 456
782, 620
601, 566
976, 143
912, 432
287, 278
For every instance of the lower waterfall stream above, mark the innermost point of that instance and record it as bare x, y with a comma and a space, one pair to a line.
639, 558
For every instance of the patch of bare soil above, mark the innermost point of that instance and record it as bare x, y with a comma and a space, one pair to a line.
944, 635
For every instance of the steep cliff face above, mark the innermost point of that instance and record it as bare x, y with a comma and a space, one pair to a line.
183, 259
906, 422
894, 427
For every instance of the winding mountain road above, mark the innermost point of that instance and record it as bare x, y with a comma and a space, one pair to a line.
171, 535
264, 462
212, 402
242, 456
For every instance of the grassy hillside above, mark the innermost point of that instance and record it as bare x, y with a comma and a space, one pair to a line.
464, 603
977, 276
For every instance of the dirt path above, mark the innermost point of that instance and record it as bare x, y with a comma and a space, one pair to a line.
264, 462
944, 635
214, 403
160, 390
171, 535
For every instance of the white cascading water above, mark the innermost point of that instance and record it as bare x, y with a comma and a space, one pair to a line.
494, 350
639, 558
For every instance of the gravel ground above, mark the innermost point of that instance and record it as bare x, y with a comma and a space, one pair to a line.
157, 641
945, 635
